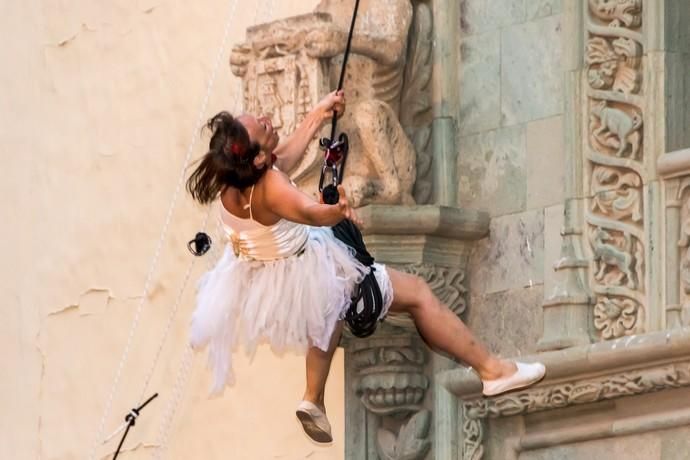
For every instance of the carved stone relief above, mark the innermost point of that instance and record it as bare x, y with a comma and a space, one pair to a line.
618, 13
391, 377
447, 283
288, 65
279, 78
615, 154
392, 385
564, 395
411, 443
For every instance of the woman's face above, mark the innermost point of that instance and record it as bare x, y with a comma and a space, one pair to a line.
261, 131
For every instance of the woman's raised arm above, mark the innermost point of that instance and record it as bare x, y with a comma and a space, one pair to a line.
288, 202
288, 153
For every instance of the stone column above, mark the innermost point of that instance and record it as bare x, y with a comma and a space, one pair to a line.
669, 55
391, 376
445, 100
567, 315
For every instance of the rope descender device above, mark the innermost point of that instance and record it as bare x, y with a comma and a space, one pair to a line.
333, 165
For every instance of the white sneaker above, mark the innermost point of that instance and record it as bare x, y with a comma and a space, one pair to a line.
526, 375
314, 422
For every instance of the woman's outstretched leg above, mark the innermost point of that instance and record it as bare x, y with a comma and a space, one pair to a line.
443, 330
311, 412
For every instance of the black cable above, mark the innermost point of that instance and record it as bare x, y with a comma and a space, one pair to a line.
131, 419
341, 80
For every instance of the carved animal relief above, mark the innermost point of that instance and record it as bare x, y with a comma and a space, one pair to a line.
615, 154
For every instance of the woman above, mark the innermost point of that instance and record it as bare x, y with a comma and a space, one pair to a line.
286, 279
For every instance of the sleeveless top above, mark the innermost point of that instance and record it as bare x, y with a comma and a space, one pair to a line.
252, 240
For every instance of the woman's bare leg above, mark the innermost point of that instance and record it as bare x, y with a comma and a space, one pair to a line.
441, 328
318, 366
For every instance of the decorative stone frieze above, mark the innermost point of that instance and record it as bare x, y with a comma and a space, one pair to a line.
628, 366
559, 396
582, 391
614, 151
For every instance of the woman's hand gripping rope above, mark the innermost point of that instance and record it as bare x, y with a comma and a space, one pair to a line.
343, 204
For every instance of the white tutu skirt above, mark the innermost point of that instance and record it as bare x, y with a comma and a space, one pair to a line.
291, 303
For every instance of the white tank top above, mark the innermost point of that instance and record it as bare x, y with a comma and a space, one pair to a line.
252, 240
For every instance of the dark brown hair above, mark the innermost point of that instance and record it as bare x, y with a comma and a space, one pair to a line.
229, 161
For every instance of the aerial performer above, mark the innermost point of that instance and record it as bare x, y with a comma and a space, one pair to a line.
284, 278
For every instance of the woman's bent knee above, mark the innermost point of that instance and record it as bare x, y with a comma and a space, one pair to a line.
423, 296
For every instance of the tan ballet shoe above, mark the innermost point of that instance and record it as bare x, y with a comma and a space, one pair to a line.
314, 422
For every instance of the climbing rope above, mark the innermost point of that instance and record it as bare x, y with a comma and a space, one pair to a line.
161, 239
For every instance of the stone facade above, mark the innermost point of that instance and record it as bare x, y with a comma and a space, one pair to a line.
528, 158
555, 129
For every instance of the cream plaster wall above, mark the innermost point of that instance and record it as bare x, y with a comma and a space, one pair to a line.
99, 104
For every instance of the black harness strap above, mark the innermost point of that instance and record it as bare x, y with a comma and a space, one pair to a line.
364, 312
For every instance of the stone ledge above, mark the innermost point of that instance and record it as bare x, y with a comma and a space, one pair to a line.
431, 220
638, 352
674, 164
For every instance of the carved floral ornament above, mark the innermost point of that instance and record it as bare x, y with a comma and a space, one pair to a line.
564, 395
412, 441
617, 13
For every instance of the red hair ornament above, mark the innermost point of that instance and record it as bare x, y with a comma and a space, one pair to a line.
236, 149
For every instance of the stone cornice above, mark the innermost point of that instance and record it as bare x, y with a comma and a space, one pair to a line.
433, 220
664, 352
674, 164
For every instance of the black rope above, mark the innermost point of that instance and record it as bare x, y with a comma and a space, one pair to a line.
341, 80
131, 419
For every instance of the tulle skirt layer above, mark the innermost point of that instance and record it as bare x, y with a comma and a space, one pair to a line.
290, 303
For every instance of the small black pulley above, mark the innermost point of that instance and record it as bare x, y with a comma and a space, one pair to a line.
200, 244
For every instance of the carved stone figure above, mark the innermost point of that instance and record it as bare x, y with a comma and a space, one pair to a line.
614, 64
381, 167
622, 129
618, 12
607, 254
287, 63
